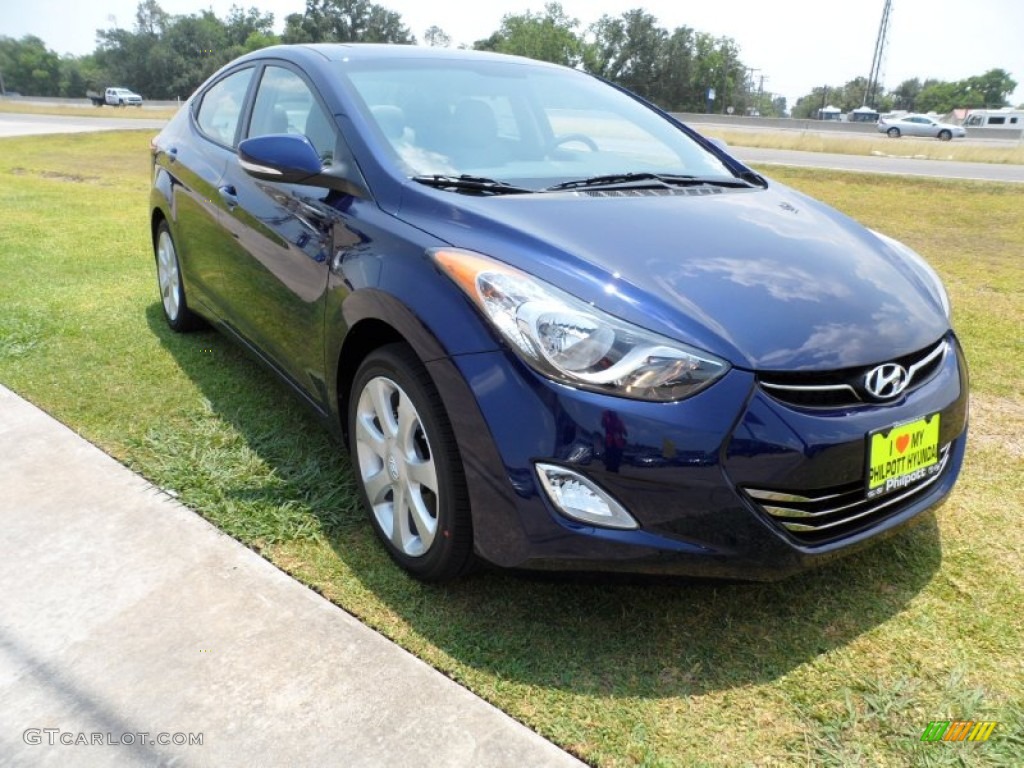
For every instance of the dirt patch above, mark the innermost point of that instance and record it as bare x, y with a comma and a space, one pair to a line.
73, 177
998, 423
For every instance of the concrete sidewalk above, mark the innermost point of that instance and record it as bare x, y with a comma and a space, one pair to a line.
123, 613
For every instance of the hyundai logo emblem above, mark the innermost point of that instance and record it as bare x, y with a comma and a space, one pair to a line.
886, 381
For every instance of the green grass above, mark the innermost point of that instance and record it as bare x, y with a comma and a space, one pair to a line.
843, 666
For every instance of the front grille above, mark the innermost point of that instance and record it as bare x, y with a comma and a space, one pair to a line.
835, 512
845, 388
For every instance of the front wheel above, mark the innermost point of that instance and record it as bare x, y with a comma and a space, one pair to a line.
408, 466
894, 133
945, 135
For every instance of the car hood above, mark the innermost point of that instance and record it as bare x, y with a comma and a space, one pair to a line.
767, 278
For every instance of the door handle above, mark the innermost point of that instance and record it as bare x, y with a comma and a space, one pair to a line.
229, 195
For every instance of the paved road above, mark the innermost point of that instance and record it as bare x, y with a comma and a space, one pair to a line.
33, 125
21, 125
993, 138
901, 166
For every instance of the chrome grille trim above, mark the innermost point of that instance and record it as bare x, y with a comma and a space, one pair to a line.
812, 388
791, 497
843, 388
809, 521
942, 349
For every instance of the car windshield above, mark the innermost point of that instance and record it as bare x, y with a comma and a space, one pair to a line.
529, 125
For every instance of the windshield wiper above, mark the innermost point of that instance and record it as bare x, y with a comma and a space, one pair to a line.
468, 183
646, 179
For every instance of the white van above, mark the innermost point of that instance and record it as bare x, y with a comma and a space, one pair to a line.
1007, 117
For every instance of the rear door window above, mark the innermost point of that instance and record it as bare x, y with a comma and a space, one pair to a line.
221, 107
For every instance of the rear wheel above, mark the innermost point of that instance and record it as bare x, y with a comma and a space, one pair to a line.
408, 467
894, 133
172, 290
945, 135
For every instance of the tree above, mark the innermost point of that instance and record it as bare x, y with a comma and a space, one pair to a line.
674, 70
436, 37
719, 67
992, 88
939, 96
988, 90
29, 67
905, 95
846, 97
150, 18
676, 87
194, 47
244, 26
345, 21
548, 36
628, 50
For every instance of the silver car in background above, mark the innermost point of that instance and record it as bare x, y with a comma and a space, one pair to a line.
919, 125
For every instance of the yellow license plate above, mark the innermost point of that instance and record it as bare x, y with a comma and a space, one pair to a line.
903, 455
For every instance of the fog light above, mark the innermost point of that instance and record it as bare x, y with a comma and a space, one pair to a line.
578, 498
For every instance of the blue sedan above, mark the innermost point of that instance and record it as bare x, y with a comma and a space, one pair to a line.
555, 327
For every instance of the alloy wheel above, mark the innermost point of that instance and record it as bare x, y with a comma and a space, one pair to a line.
396, 466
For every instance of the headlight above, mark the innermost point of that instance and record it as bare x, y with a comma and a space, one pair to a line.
922, 266
575, 343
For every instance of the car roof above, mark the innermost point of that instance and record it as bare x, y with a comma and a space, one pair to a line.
390, 52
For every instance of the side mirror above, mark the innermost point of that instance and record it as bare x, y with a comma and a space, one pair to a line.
280, 157
718, 143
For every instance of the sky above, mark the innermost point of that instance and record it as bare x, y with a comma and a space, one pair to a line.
795, 44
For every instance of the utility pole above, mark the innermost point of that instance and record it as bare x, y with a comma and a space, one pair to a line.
750, 80
879, 56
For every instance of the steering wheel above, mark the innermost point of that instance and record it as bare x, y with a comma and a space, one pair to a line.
582, 138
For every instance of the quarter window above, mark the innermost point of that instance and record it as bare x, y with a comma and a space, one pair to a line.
222, 106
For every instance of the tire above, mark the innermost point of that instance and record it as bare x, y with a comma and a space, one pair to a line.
401, 443
179, 317
945, 135
893, 133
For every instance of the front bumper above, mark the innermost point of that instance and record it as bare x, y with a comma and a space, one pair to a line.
679, 468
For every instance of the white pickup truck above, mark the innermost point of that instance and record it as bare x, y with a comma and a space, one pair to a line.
115, 97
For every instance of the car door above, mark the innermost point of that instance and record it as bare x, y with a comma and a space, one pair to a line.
918, 126
282, 236
200, 203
